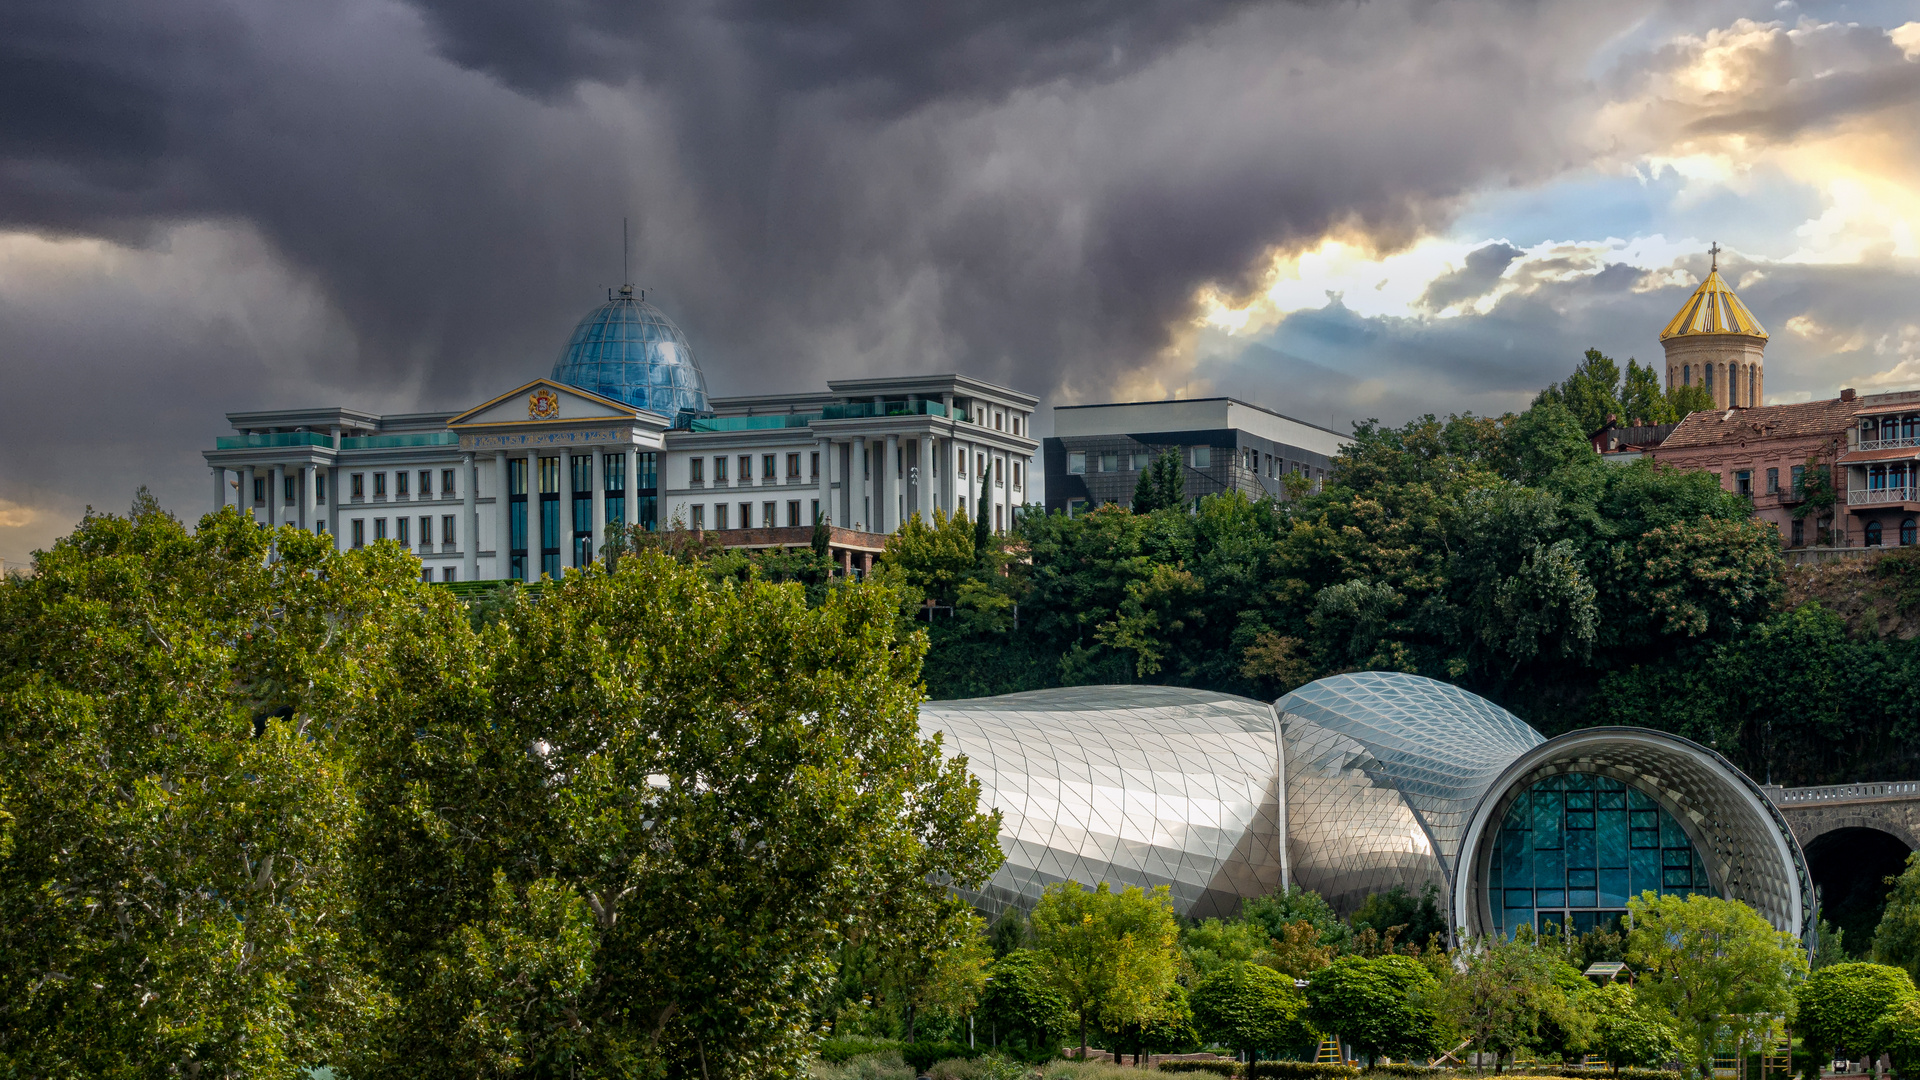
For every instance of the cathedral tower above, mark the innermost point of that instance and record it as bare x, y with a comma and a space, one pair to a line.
1715, 342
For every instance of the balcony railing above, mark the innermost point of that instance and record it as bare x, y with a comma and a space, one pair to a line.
1835, 792
272, 439
1871, 496
387, 442
1889, 444
853, 410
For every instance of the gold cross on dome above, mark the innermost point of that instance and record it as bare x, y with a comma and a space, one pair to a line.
1715, 252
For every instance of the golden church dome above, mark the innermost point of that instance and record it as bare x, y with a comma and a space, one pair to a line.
1713, 309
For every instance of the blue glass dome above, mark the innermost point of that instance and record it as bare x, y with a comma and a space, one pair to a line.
628, 350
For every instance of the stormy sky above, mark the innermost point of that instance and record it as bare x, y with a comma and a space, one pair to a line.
1337, 209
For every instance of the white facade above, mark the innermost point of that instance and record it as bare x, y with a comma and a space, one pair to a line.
528, 482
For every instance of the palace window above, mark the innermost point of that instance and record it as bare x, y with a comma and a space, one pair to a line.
1873, 534
816, 511
379, 485
767, 518
1799, 532
813, 464
699, 517
260, 490
359, 532
1743, 481
400, 484
319, 485
380, 528
1076, 463
1573, 849
697, 471
720, 470
767, 464
290, 485
1016, 476
426, 573
746, 468
719, 515
793, 513
426, 532
446, 483
1773, 481
746, 515
402, 530
446, 530
449, 573
426, 483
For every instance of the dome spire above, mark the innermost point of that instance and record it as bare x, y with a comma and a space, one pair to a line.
1713, 251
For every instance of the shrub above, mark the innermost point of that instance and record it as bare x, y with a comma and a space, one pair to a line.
981, 1068
841, 1049
1400, 1068
1222, 1068
885, 1065
1300, 1070
921, 1055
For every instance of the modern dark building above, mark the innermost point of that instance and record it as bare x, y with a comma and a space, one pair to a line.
1097, 452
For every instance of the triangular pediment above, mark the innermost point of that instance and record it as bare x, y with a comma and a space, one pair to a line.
544, 401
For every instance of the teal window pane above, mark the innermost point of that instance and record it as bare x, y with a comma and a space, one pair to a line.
1643, 871
1582, 898
1579, 800
1613, 888
1582, 879
1640, 800
1550, 897
549, 523
1610, 840
1549, 869
1646, 838
1644, 819
1580, 851
517, 527
1519, 898
1677, 879
1671, 835
1579, 819
1610, 800
1547, 816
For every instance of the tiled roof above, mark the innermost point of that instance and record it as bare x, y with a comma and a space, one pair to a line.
1713, 309
1715, 426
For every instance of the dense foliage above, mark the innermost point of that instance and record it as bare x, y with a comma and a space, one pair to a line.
268, 806
1500, 554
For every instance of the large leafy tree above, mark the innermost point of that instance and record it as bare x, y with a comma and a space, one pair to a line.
1020, 1004
1251, 1008
1591, 394
1837, 1008
1501, 992
1111, 955
177, 715
1711, 964
1381, 1005
701, 788
1896, 940
1625, 1032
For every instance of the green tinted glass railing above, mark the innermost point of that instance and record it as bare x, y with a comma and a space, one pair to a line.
385, 442
854, 410
278, 438
753, 423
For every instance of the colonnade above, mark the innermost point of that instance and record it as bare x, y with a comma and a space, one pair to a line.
563, 487
881, 482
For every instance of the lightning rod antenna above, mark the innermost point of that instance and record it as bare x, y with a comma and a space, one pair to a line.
626, 275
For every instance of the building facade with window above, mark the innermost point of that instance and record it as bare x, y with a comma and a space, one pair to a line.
1879, 471
531, 481
1097, 452
1358, 783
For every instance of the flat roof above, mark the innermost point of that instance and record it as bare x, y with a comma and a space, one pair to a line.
1197, 400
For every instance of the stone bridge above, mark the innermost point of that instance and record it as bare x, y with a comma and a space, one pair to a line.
1855, 837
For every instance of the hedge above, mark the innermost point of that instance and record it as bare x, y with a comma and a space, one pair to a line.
842, 1049
921, 1055
1221, 1068
1299, 1070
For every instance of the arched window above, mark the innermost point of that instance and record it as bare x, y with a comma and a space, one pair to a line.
1733, 384
1873, 534
1753, 384
1709, 379
1686, 375
1906, 532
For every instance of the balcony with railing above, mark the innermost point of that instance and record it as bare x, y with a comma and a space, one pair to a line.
1890, 443
853, 410
1884, 495
389, 442
271, 440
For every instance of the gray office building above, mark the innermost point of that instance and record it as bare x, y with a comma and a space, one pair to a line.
1097, 452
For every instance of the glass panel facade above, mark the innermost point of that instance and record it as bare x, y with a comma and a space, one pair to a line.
1573, 848
628, 350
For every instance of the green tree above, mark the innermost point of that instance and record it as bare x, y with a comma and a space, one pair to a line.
1710, 964
708, 782
1410, 919
932, 557
1499, 993
1168, 1028
1111, 955
1020, 1003
1009, 932
1836, 1008
1162, 485
1625, 1032
822, 540
939, 966
1641, 399
1684, 399
982, 525
1896, 940
1591, 394
1276, 911
177, 716
1898, 1033
1381, 1005
1251, 1008
1215, 945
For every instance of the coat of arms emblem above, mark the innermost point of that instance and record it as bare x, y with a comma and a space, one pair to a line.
543, 404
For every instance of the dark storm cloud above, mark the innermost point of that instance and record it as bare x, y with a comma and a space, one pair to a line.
1481, 272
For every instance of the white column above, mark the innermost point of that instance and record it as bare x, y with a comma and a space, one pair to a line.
246, 491
568, 538
923, 491
631, 488
502, 519
468, 538
310, 502
333, 505
826, 478
219, 488
862, 470
599, 483
894, 468
274, 504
